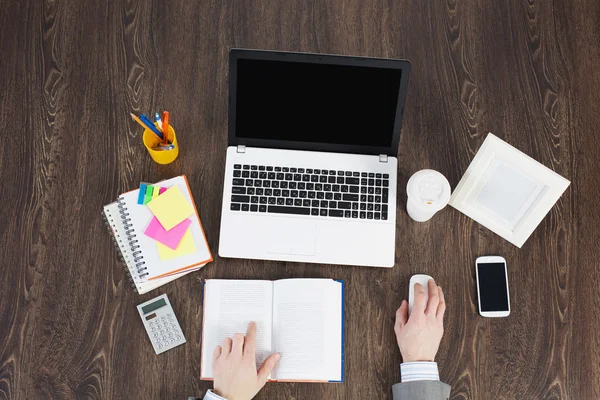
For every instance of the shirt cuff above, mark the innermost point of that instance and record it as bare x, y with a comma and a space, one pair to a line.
419, 371
210, 395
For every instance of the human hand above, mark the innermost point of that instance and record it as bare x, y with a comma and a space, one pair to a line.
234, 367
419, 336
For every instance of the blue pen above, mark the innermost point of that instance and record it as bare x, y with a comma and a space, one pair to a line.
151, 125
158, 120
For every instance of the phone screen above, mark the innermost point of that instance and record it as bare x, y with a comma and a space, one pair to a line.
493, 294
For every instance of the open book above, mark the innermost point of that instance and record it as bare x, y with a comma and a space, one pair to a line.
302, 319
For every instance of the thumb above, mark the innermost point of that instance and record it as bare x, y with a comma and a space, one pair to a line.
265, 369
402, 314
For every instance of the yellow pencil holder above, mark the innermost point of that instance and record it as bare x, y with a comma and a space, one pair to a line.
161, 156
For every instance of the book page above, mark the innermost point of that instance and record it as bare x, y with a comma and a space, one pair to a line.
229, 305
307, 329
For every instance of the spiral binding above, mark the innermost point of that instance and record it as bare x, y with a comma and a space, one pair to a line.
138, 258
120, 256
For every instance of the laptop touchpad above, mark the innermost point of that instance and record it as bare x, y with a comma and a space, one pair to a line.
292, 237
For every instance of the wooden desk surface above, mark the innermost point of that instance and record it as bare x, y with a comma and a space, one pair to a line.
70, 73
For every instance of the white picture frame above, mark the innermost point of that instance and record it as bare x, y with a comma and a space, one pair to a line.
507, 191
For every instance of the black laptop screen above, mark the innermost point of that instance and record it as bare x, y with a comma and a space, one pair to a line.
318, 103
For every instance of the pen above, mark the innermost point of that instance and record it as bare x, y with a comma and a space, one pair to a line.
163, 147
151, 125
165, 124
158, 121
146, 125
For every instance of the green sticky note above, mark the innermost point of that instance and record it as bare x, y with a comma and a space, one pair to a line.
149, 193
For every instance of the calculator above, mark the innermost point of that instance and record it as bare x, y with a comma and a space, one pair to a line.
161, 324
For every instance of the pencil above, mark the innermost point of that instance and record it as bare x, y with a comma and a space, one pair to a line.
136, 119
143, 125
165, 124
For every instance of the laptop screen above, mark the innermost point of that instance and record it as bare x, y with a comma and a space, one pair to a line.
316, 102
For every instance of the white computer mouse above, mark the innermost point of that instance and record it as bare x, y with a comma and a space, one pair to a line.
419, 278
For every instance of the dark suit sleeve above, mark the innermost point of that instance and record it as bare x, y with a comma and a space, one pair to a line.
421, 390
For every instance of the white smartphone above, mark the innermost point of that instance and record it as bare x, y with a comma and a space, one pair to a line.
492, 286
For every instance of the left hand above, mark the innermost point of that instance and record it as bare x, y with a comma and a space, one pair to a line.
234, 367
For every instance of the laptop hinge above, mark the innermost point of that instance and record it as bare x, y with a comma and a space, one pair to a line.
383, 158
242, 148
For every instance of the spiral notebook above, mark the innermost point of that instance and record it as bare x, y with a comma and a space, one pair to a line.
141, 254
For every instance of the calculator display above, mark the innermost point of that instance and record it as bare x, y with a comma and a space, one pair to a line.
154, 306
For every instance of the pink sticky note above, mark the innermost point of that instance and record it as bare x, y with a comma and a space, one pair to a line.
162, 190
170, 238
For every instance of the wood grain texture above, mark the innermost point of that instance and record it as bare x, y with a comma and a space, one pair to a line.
70, 73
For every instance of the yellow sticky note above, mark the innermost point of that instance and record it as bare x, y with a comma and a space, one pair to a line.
170, 208
186, 246
155, 190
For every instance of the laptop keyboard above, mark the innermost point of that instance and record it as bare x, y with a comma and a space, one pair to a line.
314, 192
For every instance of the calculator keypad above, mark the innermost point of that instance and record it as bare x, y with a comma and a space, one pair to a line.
164, 331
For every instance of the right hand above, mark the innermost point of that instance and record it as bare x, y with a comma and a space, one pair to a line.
419, 336
234, 367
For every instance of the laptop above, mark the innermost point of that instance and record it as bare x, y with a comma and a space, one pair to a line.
311, 165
